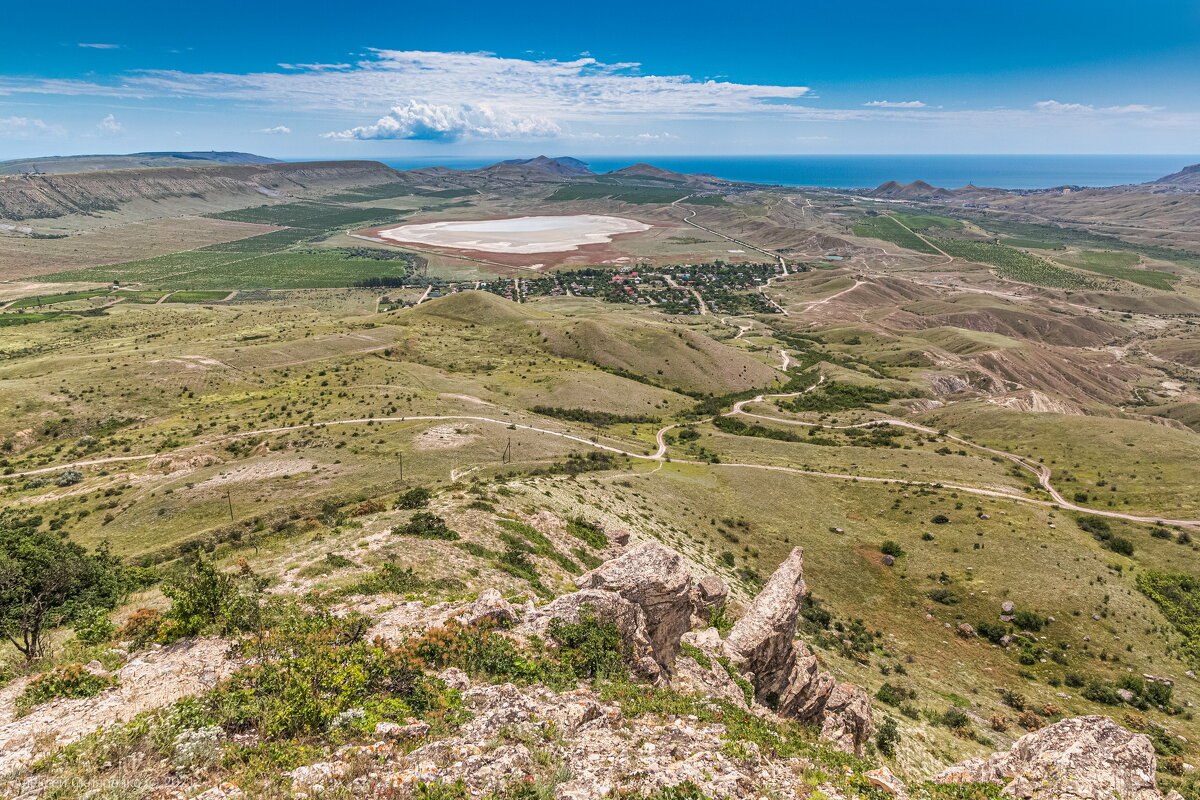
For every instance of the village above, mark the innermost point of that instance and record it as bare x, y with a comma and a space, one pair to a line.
714, 287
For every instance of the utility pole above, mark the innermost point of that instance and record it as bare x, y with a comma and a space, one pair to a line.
229, 500
507, 457
402, 467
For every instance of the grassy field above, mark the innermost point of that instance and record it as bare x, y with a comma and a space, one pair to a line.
265, 243
317, 216
232, 270
925, 222
51, 299
10, 319
1116, 264
197, 296
1055, 235
885, 228
624, 194
1015, 264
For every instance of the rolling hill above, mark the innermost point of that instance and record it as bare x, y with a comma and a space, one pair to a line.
91, 163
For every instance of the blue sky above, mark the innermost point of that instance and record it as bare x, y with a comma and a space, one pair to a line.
616, 78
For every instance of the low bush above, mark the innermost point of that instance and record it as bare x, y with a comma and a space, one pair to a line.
425, 525
72, 680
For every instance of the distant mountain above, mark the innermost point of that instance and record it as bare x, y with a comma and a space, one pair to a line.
643, 170
560, 165
199, 187
1188, 177
92, 163
917, 190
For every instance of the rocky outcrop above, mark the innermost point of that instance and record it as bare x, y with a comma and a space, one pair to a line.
1083, 758
656, 580
514, 731
785, 672
149, 680
700, 669
603, 606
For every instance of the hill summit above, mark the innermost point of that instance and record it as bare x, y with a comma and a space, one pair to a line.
559, 165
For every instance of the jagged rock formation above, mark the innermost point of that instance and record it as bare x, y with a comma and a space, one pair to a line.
653, 578
785, 672
1084, 758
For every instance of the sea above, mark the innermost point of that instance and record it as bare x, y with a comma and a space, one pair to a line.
857, 171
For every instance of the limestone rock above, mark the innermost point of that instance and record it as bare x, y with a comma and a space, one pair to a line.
785, 672
455, 678
605, 606
885, 781
702, 673
654, 578
413, 729
490, 608
1082, 758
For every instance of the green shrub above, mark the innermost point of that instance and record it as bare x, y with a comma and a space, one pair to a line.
887, 736
313, 667
72, 680
696, 654
590, 648
1028, 621
943, 596
894, 695
92, 626
427, 526
954, 717
890, 548
205, 600
591, 533
417, 497
1101, 693
1177, 595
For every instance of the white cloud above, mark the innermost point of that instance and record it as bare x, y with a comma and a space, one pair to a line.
446, 123
27, 128
109, 125
1053, 106
278, 130
561, 90
896, 104
100, 46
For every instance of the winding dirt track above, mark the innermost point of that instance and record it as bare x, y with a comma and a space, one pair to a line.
1040, 470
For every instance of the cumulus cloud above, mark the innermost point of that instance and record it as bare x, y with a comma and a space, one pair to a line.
97, 46
27, 128
278, 130
582, 88
109, 125
451, 123
1053, 106
896, 104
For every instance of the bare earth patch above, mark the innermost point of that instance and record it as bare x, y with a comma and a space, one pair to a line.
445, 437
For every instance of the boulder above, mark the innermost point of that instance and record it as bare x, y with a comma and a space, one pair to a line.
1008, 607
711, 591
785, 672
655, 579
1082, 758
490, 608
883, 780
889, 561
